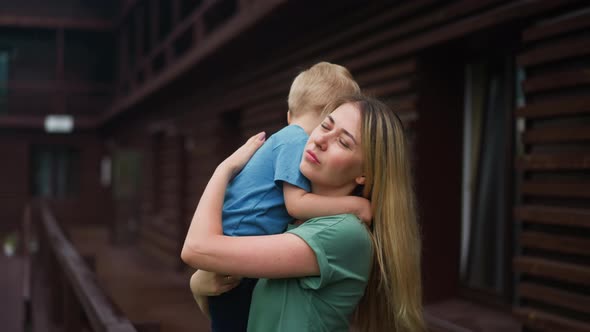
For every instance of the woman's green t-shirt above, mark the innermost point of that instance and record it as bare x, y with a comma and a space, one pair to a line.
343, 249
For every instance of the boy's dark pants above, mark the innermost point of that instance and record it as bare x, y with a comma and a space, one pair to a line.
229, 311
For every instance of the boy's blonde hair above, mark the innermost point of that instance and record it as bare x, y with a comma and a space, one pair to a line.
318, 86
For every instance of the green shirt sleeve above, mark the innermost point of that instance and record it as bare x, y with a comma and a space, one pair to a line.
342, 247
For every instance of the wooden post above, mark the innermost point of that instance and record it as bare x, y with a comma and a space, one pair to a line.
56, 289
59, 70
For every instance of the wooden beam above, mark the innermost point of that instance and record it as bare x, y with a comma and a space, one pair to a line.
557, 27
38, 122
235, 25
553, 296
555, 161
21, 21
513, 11
545, 268
386, 73
580, 189
556, 107
558, 216
539, 320
559, 243
557, 134
558, 80
561, 50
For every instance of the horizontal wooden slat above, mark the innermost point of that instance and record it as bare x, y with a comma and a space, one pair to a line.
388, 88
554, 296
553, 215
161, 240
545, 268
556, 107
563, 79
558, 243
385, 73
580, 189
556, 161
557, 134
557, 27
562, 50
538, 320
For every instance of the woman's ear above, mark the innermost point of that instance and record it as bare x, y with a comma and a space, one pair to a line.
360, 180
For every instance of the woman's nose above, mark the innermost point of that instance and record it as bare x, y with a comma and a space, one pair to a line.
321, 141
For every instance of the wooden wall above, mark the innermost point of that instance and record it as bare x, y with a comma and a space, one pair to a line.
389, 50
554, 209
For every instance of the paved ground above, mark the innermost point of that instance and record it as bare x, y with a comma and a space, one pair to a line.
143, 289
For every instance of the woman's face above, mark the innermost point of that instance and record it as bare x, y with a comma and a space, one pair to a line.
332, 159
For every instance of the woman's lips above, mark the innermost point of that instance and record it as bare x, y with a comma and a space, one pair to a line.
309, 155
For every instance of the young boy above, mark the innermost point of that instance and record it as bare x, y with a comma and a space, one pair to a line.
271, 191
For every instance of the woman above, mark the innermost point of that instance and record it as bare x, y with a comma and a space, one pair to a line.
318, 272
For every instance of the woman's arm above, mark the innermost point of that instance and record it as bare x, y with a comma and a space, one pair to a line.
272, 256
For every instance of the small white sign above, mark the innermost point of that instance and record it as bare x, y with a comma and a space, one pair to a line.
59, 123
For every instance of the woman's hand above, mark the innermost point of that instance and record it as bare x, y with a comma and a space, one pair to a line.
240, 157
205, 283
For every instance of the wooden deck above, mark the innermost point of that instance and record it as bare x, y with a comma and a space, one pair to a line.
12, 306
146, 292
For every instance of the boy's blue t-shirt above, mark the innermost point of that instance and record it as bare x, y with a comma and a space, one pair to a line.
254, 202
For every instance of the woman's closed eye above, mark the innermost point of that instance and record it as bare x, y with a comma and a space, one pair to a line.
344, 143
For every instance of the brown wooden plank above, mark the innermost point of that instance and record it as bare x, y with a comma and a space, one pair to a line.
388, 88
556, 27
540, 267
538, 320
554, 161
554, 296
556, 107
552, 215
562, 50
22, 21
557, 134
557, 80
579, 189
558, 243
386, 72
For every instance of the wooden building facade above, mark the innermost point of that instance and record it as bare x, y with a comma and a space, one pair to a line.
494, 95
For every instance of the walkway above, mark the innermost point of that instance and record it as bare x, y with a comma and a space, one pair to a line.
143, 289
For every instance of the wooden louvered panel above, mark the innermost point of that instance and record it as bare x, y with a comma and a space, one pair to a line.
539, 320
557, 134
557, 243
553, 296
570, 48
560, 161
557, 27
579, 189
545, 268
553, 215
556, 80
556, 107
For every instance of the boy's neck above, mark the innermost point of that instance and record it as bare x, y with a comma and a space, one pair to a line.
308, 121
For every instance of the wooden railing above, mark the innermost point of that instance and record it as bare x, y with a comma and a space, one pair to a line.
76, 301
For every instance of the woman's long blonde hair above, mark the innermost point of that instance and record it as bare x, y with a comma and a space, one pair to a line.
393, 297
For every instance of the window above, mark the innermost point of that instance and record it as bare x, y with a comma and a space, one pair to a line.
54, 171
486, 231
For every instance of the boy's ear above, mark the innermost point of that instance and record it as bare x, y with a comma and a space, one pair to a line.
289, 117
360, 180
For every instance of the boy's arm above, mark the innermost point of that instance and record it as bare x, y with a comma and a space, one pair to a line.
303, 205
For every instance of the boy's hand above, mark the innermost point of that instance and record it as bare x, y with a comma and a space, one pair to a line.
242, 155
205, 283
361, 207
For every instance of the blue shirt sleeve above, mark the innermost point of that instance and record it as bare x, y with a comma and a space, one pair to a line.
287, 160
